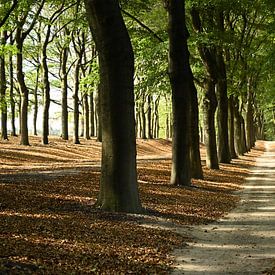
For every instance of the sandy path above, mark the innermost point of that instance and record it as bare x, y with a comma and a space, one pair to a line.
243, 242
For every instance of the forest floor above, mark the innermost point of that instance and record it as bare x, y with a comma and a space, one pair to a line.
49, 225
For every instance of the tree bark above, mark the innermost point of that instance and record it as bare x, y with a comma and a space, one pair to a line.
24, 93
222, 114
92, 115
209, 108
118, 186
231, 128
76, 101
64, 90
3, 89
180, 79
196, 167
12, 101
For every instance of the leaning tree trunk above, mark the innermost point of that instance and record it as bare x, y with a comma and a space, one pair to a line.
3, 88
209, 108
118, 186
180, 79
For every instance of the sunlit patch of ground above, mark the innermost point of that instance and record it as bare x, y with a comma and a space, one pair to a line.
49, 225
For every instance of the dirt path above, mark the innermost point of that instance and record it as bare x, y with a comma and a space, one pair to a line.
243, 242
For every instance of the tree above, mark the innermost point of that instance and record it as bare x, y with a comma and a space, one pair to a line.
181, 83
118, 186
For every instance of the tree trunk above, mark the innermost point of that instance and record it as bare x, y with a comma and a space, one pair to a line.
118, 186
46, 96
180, 79
222, 118
35, 103
98, 114
76, 101
249, 124
64, 90
231, 128
196, 167
12, 102
24, 93
209, 108
237, 129
3, 88
143, 117
92, 115
149, 117
86, 116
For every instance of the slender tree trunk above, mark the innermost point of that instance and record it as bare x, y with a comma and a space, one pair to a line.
76, 102
35, 103
86, 116
149, 117
92, 115
209, 108
118, 186
196, 167
231, 128
98, 114
249, 119
12, 101
46, 96
180, 79
237, 129
64, 90
3, 88
143, 117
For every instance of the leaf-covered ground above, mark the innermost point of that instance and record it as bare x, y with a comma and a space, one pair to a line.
49, 225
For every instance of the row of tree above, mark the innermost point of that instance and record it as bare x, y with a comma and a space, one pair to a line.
225, 71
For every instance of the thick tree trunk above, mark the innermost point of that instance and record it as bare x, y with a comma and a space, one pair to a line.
222, 121
3, 88
196, 167
118, 186
24, 93
180, 79
64, 90
231, 128
209, 108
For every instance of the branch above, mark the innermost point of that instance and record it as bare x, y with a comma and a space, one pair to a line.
3, 21
143, 25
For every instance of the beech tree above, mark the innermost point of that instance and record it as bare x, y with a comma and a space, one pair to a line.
118, 185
